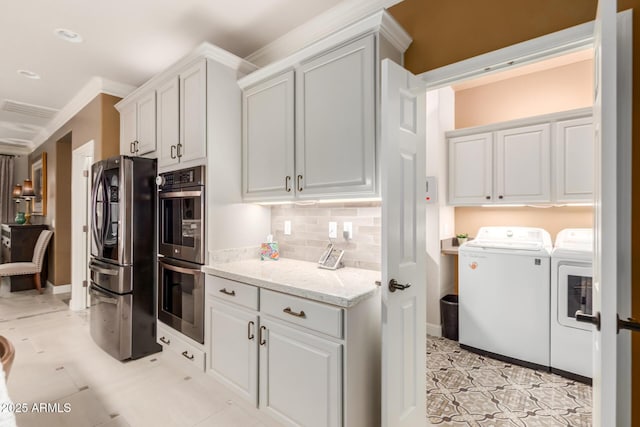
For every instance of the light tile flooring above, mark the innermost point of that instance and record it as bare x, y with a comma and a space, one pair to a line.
57, 361
466, 389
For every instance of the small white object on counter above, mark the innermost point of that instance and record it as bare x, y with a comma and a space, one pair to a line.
345, 287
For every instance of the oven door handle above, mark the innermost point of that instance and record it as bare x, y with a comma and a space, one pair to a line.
177, 269
177, 194
101, 295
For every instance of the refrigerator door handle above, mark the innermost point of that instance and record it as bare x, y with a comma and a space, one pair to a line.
94, 202
94, 267
101, 295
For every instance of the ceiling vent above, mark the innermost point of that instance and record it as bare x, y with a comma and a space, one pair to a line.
28, 109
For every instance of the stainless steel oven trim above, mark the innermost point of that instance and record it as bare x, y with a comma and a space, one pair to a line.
196, 254
179, 194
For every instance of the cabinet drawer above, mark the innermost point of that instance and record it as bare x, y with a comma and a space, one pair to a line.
235, 292
310, 314
170, 340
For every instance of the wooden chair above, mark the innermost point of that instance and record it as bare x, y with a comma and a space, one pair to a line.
35, 266
7, 354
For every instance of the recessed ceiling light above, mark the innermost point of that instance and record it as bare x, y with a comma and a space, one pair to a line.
68, 35
29, 74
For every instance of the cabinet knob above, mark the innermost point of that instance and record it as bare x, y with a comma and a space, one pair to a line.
500, 197
488, 197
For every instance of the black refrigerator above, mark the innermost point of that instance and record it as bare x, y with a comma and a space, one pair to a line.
122, 314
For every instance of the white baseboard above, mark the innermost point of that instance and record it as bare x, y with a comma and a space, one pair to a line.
59, 289
434, 330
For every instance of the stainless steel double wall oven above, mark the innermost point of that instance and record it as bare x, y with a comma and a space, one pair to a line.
181, 249
123, 249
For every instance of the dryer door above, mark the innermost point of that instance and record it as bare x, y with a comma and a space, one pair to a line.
574, 293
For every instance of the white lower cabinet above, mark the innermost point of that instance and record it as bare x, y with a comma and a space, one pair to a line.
300, 376
187, 350
302, 362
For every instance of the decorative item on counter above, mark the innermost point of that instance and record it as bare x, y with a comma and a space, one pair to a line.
462, 238
269, 250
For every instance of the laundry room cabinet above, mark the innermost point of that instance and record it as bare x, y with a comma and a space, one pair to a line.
310, 120
138, 125
539, 160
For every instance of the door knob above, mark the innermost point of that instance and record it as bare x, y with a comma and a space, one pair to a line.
588, 318
394, 286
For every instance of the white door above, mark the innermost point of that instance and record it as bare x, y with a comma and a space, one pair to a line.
403, 160
611, 284
80, 206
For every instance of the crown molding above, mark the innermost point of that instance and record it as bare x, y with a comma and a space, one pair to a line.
321, 26
380, 22
204, 50
93, 88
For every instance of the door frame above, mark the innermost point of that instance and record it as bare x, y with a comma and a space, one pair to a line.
562, 42
80, 204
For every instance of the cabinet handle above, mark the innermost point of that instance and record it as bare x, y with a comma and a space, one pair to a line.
136, 146
250, 334
164, 340
187, 355
488, 197
132, 147
500, 197
226, 292
173, 155
299, 182
287, 183
261, 337
293, 313
179, 150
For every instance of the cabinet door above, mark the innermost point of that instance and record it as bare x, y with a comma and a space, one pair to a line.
267, 140
168, 123
233, 348
128, 131
193, 109
574, 149
523, 164
146, 125
335, 123
471, 169
300, 376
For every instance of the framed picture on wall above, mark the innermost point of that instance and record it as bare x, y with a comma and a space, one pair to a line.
39, 177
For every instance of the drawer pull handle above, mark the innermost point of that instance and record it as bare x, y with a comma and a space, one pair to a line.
300, 183
187, 355
262, 340
293, 313
250, 334
164, 340
226, 292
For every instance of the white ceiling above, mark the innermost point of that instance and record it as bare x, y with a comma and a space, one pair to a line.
125, 41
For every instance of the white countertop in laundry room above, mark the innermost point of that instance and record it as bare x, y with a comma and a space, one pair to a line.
344, 287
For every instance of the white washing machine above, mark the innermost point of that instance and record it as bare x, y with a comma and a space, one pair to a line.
504, 290
571, 290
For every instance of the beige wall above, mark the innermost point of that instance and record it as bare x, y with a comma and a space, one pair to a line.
557, 89
98, 121
310, 230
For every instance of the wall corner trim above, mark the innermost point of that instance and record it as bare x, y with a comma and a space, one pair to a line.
93, 88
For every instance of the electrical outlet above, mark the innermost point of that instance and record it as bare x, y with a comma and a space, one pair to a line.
287, 228
333, 229
347, 230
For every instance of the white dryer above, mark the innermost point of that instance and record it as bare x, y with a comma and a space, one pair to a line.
504, 290
571, 290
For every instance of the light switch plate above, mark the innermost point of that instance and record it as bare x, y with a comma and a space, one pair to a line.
348, 230
333, 229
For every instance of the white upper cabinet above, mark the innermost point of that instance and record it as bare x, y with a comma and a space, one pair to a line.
137, 126
538, 160
523, 164
310, 120
193, 113
335, 127
471, 169
268, 139
168, 119
574, 151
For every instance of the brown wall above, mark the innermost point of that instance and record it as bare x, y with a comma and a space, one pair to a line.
445, 32
98, 121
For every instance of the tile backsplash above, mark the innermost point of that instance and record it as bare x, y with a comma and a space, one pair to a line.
310, 231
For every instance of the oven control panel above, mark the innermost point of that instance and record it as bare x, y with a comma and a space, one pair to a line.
181, 178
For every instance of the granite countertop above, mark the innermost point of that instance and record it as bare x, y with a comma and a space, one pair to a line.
344, 287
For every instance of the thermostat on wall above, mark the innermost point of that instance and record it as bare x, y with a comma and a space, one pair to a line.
431, 193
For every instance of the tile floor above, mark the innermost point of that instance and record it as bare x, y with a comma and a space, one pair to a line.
466, 389
57, 361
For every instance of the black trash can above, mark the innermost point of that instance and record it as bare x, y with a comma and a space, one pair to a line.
449, 316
